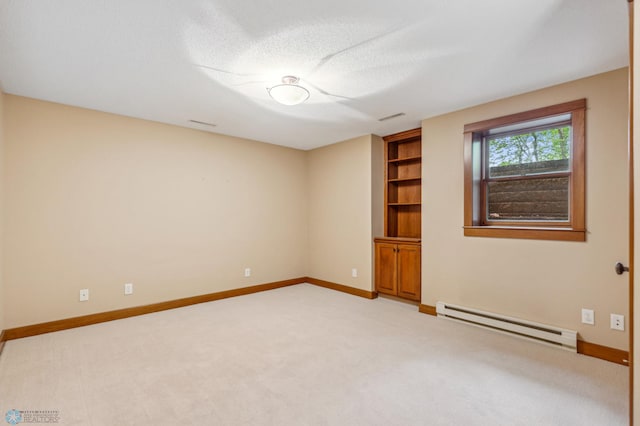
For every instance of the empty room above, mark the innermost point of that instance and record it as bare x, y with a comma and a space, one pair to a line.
218, 212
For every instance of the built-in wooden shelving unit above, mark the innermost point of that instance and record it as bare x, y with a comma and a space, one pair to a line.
398, 253
403, 184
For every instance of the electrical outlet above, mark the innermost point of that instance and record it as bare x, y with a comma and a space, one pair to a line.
588, 316
128, 288
84, 294
617, 322
247, 272
354, 273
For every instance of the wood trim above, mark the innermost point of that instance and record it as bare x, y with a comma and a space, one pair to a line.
603, 352
525, 233
578, 170
397, 240
631, 211
469, 203
343, 288
65, 324
427, 309
475, 224
2, 340
526, 115
385, 213
413, 133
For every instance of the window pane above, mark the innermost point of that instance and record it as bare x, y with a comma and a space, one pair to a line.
528, 153
544, 199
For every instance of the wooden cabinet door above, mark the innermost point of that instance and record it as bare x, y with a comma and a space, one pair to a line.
386, 268
409, 271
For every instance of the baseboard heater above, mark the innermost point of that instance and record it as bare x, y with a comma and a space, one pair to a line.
560, 337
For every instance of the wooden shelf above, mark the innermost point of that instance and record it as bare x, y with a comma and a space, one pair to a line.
398, 253
403, 184
396, 240
405, 179
406, 159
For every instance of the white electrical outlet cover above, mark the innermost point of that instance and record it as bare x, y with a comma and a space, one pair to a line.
84, 295
587, 316
617, 322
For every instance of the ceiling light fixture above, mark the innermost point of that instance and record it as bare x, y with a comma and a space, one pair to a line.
289, 92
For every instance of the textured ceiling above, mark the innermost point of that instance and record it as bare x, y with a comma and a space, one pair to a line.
211, 61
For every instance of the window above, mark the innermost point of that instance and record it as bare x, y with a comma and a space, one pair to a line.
525, 174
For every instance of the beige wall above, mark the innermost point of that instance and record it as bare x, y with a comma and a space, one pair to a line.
377, 194
636, 186
340, 212
95, 200
1, 208
544, 281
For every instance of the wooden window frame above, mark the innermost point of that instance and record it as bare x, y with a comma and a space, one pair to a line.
574, 229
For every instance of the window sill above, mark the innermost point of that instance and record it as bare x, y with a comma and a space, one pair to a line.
557, 234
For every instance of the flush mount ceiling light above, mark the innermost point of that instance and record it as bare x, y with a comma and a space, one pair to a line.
289, 92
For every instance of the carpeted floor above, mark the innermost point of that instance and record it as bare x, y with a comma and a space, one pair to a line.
305, 355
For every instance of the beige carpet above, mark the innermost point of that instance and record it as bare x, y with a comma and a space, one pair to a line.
305, 355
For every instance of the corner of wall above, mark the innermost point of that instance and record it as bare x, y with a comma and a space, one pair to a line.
377, 195
307, 212
339, 212
636, 169
2, 99
377, 185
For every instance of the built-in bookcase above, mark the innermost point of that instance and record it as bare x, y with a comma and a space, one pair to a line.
403, 184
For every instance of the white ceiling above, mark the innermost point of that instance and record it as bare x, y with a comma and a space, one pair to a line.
212, 60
